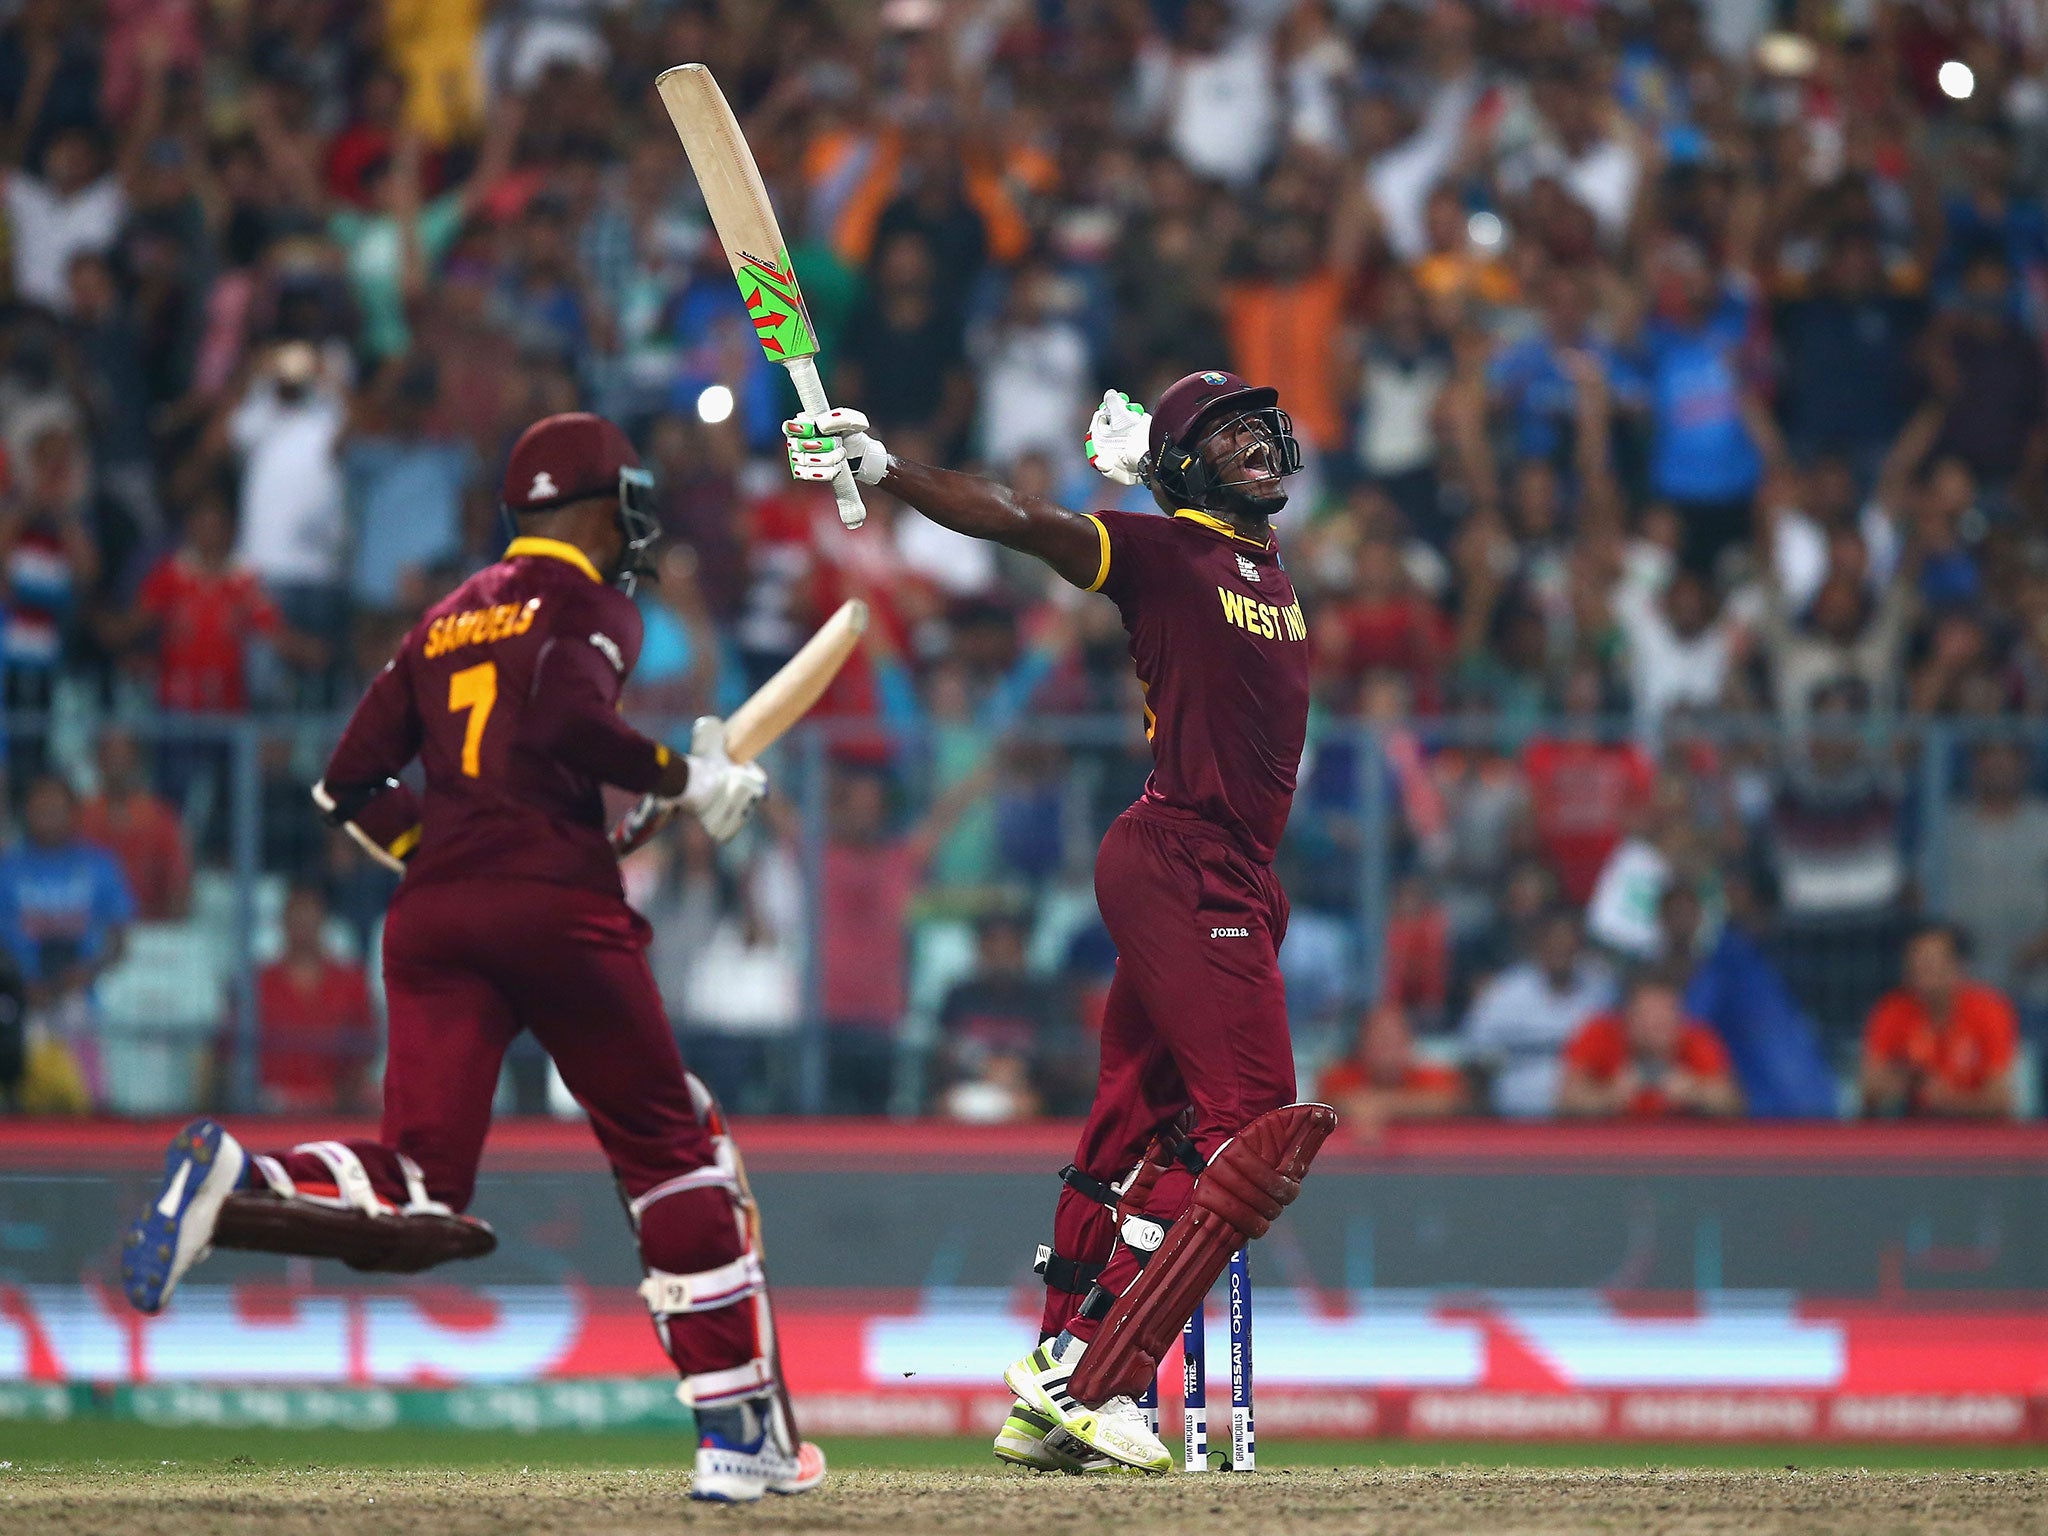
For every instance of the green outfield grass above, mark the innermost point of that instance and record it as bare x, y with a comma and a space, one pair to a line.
86, 1442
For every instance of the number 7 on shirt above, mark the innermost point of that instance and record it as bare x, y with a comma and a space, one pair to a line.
476, 690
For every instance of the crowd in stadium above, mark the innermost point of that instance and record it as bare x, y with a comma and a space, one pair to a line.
1676, 406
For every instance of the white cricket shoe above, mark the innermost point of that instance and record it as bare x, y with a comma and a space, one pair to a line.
1119, 1429
740, 1458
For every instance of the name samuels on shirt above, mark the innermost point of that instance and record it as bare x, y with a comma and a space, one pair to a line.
1267, 619
479, 626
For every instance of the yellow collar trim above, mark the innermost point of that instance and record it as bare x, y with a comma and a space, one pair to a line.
1216, 524
554, 549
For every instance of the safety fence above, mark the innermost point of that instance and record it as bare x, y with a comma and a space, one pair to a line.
809, 966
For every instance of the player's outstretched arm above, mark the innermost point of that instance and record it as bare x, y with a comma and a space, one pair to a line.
1069, 542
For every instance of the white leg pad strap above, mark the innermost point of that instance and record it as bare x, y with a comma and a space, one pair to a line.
706, 1291
717, 1175
416, 1201
351, 1179
728, 1386
274, 1175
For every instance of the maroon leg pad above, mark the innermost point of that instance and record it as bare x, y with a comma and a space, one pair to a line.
388, 1244
1251, 1179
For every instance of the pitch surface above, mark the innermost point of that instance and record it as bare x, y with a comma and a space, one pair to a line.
77, 1479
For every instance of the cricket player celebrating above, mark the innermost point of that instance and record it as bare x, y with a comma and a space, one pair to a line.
1194, 1143
511, 917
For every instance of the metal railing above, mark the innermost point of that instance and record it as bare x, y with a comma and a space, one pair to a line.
258, 766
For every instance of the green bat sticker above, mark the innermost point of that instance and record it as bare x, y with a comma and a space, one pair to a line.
780, 320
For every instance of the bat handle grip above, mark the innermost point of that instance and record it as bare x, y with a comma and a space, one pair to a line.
810, 389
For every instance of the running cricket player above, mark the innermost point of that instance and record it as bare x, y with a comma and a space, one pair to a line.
511, 917
1194, 1143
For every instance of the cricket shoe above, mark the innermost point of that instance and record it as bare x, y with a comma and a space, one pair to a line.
739, 1460
1032, 1439
201, 1169
1118, 1429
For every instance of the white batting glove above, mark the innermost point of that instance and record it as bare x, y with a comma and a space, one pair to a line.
722, 793
820, 441
1119, 437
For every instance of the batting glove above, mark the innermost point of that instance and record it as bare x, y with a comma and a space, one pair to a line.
1119, 437
819, 442
722, 793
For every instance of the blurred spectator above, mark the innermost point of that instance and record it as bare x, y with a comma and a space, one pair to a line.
1383, 1080
1706, 424
1810, 519
16, 1089
406, 479
1583, 789
1415, 955
1682, 645
74, 207
292, 526
1403, 369
1281, 316
1212, 83
677, 675
1007, 1046
201, 613
1622, 914
139, 828
1834, 830
1648, 1060
1995, 872
904, 358
871, 874
65, 910
1034, 372
50, 567
1988, 375
318, 1033
726, 954
1737, 988
1521, 1020
1846, 356
1941, 1044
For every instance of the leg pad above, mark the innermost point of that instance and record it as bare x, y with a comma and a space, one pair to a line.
396, 1242
1251, 1179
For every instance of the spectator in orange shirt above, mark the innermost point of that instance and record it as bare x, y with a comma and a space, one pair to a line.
1280, 319
1941, 1044
140, 829
1648, 1060
319, 1035
1381, 1080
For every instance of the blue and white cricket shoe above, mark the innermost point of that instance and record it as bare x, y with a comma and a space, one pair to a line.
739, 1459
201, 1169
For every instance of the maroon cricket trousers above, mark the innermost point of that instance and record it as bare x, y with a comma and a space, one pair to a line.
1196, 1015
468, 964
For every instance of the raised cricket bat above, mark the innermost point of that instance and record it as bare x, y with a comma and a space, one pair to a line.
745, 221
770, 710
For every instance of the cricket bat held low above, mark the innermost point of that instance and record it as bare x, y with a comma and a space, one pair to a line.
745, 221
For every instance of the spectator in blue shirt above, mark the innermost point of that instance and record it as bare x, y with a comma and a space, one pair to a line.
1707, 448
1530, 381
65, 908
406, 483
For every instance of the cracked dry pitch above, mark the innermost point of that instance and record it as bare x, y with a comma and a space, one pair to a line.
1366, 1501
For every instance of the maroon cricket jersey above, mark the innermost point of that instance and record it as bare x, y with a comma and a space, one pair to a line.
507, 691
1222, 654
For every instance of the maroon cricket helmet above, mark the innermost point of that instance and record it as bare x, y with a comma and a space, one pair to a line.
565, 458
576, 456
1191, 409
